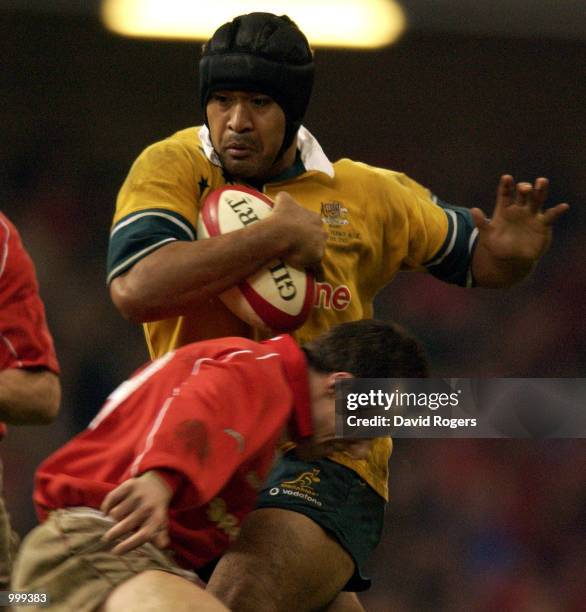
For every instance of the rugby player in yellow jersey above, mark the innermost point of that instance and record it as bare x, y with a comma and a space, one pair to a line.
303, 548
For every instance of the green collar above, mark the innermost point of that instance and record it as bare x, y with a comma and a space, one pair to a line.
291, 172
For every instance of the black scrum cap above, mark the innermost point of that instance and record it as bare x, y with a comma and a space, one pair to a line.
265, 53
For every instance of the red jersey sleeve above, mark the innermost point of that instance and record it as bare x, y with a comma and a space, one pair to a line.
25, 341
229, 412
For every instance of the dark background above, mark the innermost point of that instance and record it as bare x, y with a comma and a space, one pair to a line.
473, 525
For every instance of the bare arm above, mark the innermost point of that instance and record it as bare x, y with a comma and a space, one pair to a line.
29, 397
181, 275
511, 243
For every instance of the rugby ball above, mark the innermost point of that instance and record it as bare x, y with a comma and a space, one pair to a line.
278, 297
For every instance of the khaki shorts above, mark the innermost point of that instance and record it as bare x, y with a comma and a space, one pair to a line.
65, 558
8, 542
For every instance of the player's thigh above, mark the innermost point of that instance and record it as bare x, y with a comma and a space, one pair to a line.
282, 561
154, 590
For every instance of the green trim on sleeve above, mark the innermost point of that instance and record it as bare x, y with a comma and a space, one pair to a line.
452, 263
141, 233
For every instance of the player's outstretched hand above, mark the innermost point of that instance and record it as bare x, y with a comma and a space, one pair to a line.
302, 230
139, 505
520, 229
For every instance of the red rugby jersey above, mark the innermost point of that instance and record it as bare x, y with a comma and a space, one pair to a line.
209, 417
25, 341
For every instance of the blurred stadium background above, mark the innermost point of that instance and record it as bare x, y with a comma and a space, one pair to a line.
472, 90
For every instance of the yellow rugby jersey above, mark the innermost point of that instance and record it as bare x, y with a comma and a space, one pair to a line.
378, 222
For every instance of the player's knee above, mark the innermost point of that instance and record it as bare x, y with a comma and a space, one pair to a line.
156, 590
344, 602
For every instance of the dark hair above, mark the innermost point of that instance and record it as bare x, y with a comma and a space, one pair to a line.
368, 349
265, 53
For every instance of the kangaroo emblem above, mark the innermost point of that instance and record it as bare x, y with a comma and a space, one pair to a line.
304, 480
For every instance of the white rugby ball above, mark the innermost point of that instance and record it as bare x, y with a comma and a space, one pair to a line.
278, 297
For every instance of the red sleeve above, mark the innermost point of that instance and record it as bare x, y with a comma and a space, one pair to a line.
229, 412
25, 341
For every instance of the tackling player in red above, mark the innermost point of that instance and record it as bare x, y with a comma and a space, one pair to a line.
176, 458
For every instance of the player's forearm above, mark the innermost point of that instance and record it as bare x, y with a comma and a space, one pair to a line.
181, 275
491, 271
29, 397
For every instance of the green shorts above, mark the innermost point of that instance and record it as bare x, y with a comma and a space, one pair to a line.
334, 497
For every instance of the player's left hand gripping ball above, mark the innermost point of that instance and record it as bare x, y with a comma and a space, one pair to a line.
278, 297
